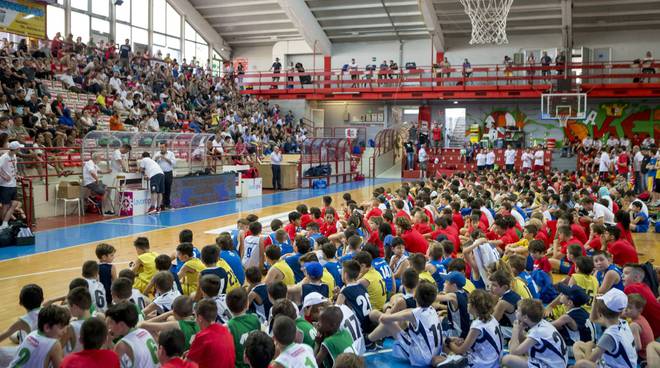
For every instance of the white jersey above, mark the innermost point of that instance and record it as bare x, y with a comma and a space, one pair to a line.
74, 345
490, 158
420, 343
224, 315
297, 356
481, 159
487, 349
550, 349
539, 158
31, 319
351, 323
164, 301
398, 263
33, 351
624, 353
510, 157
139, 299
97, 291
518, 217
251, 256
527, 160
144, 348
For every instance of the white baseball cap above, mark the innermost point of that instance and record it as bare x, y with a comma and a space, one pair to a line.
313, 299
15, 145
615, 300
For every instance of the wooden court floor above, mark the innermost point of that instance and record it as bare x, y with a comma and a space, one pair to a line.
53, 270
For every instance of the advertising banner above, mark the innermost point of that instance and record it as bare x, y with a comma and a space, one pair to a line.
23, 17
196, 190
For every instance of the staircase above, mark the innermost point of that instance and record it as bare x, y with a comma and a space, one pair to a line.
456, 137
563, 163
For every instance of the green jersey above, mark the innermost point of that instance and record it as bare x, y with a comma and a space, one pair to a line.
308, 331
189, 329
340, 342
240, 327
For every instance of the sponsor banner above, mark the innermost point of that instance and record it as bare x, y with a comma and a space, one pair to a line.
23, 17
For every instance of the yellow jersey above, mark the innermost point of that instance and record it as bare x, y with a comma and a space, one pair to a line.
189, 284
469, 286
285, 269
146, 271
590, 285
327, 279
520, 287
231, 277
426, 275
376, 289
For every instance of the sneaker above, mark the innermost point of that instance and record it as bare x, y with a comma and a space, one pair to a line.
453, 361
374, 346
109, 213
152, 210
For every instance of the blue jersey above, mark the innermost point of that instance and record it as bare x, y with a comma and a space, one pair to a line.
643, 225
543, 281
313, 238
335, 270
261, 310
175, 276
222, 274
234, 238
346, 257
585, 328
384, 270
531, 285
294, 262
357, 298
105, 278
234, 261
314, 288
478, 284
458, 317
512, 298
600, 276
439, 270
285, 246
445, 262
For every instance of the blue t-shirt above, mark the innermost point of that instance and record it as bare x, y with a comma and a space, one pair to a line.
234, 261
335, 270
651, 172
643, 225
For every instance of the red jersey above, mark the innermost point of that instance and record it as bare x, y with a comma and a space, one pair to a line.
564, 245
437, 133
625, 234
393, 228
458, 220
374, 212
179, 363
305, 220
402, 213
423, 228
622, 252
622, 163
328, 229
542, 236
596, 243
91, 358
290, 230
578, 233
652, 309
323, 213
415, 242
375, 239
213, 347
542, 264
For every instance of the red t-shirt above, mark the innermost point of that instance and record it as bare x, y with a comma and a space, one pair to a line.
622, 252
213, 347
596, 243
179, 363
375, 240
423, 228
542, 264
374, 212
437, 134
543, 236
458, 220
305, 220
622, 163
450, 236
290, 230
564, 245
415, 242
328, 229
323, 213
393, 228
652, 309
402, 213
578, 233
91, 358
625, 234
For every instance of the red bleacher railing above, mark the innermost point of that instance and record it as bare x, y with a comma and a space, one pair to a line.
27, 200
441, 79
335, 152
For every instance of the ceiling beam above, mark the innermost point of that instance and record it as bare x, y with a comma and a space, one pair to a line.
374, 25
245, 14
432, 24
362, 6
220, 5
567, 24
618, 24
308, 26
251, 23
617, 14
614, 3
372, 15
261, 31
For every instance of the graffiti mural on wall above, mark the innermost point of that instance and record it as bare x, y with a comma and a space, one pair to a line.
618, 119
499, 118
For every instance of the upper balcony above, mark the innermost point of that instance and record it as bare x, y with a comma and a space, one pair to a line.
621, 79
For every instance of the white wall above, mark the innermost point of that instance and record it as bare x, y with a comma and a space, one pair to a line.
418, 51
259, 58
626, 45
458, 49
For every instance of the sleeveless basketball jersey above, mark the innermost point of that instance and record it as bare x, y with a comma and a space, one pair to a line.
376, 289
289, 278
164, 301
338, 343
327, 279
228, 281
191, 280
138, 299
33, 351
458, 317
357, 298
31, 318
585, 329
334, 268
624, 354
351, 323
105, 277
600, 276
97, 292
144, 348
520, 287
531, 285
590, 285
285, 246
251, 256
420, 341
261, 310
294, 262
73, 344
234, 237
314, 288
511, 297
550, 349
398, 263
240, 327
426, 275
189, 328
487, 348
297, 356
380, 265
147, 270
439, 270
308, 331
223, 311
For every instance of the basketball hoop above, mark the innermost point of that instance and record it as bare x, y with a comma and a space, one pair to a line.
563, 119
488, 18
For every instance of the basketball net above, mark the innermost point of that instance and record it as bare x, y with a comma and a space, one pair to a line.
563, 119
488, 18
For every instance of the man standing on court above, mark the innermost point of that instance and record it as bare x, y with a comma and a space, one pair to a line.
8, 183
510, 158
156, 181
167, 161
275, 163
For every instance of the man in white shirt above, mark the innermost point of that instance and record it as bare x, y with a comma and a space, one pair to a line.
8, 183
423, 158
152, 123
624, 143
490, 159
539, 159
156, 178
612, 142
640, 181
604, 164
599, 214
510, 158
526, 158
481, 161
118, 163
167, 161
92, 181
275, 162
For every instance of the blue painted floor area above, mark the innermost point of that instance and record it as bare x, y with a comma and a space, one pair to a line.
384, 357
80, 234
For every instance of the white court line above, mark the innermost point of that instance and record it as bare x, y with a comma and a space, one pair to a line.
265, 223
50, 271
143, 225
378, 352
